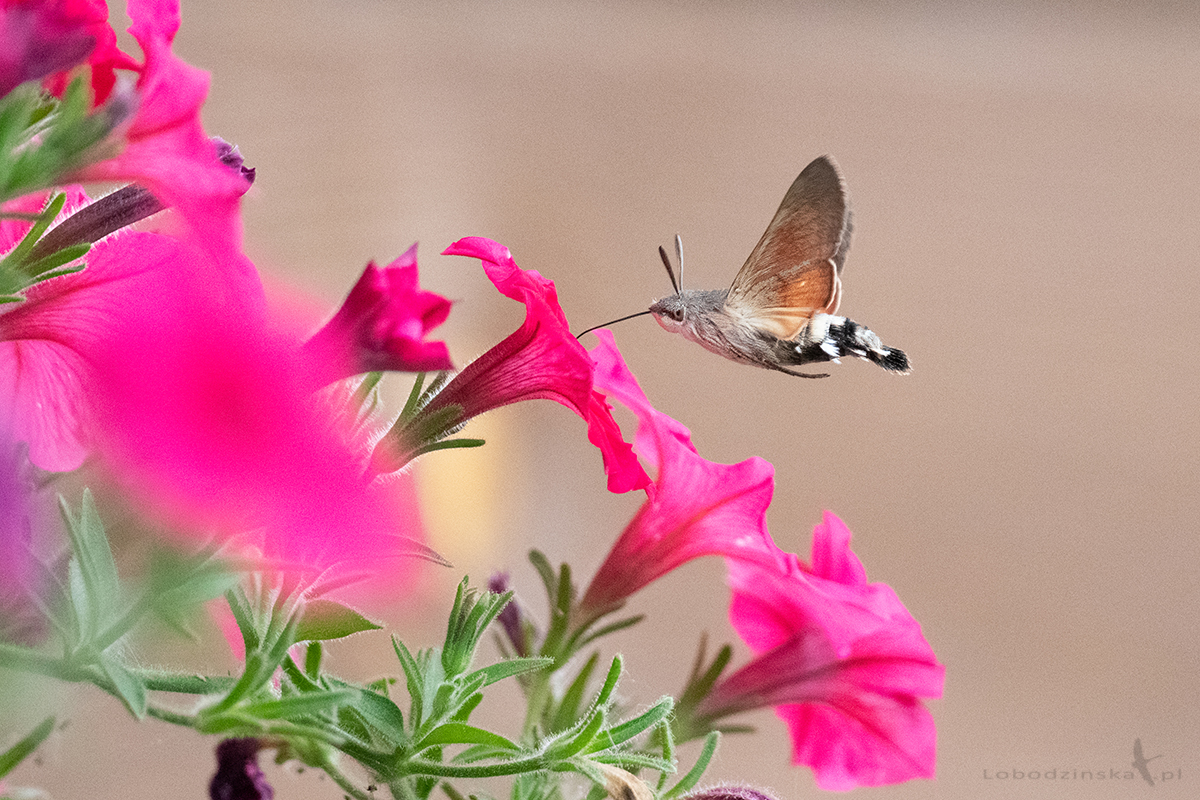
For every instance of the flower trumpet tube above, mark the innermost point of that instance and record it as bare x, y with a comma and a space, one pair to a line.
694, 507
540, 360
841, 660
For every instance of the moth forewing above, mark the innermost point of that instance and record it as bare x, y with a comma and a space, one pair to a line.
812, 225
780, 311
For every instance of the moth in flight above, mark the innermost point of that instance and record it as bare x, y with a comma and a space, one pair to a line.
780, 311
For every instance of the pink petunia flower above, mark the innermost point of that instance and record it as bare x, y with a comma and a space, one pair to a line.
46, 38
207, 421
48, 343
841, 660
693, 508
165, 147
382, 324
540, 360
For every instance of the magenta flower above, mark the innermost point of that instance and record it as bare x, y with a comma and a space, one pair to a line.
19, 584
46, 38
842, 661
540, 360
165, 147
49, 342
693, 508
208, 423
383, 323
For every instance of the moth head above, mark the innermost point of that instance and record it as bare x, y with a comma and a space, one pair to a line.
670, 312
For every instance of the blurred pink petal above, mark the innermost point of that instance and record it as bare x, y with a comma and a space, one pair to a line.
693, 508
48, 343
206, 419
383, 322
20, 620
165, 147
843, 662
47, 38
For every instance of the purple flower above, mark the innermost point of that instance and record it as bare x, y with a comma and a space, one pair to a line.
238, 774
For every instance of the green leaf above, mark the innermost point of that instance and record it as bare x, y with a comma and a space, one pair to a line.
325, 619
129, 686
296, 680
309, 703
461, 733
619, 625
179, 586
702, 679
448, 444
19, 751
377, 711
631, 728
694, 774
610, 681
630, 760
545, 571
41, 269
481, 752
16, 257
312, 659
578, 738
469, 705
585, 768
513, 666
243, 615
96, 590
414, 678
568, 707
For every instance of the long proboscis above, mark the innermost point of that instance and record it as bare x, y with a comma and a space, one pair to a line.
675, 284
611, 322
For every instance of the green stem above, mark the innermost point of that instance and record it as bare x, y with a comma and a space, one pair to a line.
173, 717
345, 783
159, 681
25, 660
418, 766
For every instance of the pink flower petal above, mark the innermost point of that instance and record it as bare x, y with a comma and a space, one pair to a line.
694, 507
47, 38
206, 420
166, 149
49, 342
841, 659
540, 360
383, 323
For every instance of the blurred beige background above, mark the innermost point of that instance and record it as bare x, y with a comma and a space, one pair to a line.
1026, 185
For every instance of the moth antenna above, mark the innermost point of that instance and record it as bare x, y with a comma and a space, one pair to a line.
670, 272
679, 258
612, 322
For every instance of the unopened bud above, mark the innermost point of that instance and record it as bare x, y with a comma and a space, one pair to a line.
238, 775
622, 785
730, 793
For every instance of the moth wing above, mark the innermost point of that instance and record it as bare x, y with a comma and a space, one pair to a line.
794, 270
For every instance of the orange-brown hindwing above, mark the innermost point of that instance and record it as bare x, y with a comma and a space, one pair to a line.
793, 271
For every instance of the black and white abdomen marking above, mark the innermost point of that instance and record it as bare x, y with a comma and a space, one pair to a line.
828, 338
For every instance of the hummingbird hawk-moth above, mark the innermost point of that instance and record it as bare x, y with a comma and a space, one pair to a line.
780, 311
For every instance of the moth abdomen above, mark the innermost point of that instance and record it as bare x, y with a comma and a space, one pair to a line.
895, 361
828, 338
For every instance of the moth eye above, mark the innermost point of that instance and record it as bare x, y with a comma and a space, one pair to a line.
677, 314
